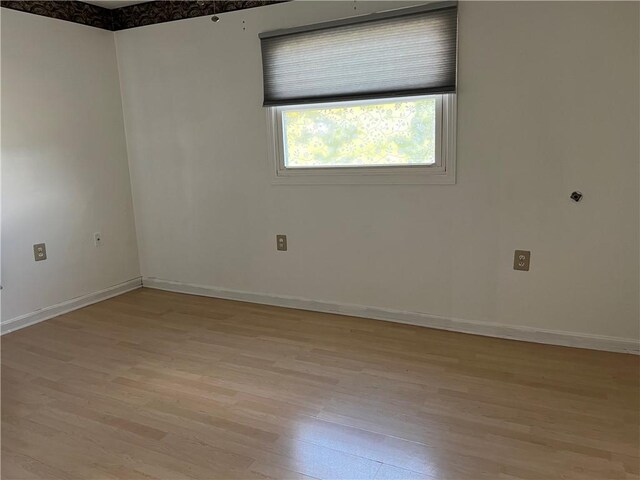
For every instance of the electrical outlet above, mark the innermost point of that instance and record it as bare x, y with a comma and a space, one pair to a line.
40, 252
281, 243
521, 260
97, 239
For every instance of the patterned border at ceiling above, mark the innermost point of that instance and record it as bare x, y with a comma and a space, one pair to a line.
72, 11
147, 13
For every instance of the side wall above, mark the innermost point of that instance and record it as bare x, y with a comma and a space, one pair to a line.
548, 103
65, 173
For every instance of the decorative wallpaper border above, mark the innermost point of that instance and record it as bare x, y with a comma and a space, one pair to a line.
132, 16
71, 11
149, 13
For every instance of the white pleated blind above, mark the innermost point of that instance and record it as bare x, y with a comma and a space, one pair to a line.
403, 52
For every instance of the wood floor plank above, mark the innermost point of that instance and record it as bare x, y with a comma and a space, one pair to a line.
161, 385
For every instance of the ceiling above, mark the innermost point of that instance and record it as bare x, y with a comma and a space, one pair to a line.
112, 3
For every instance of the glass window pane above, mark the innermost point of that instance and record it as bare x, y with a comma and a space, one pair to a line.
388, 133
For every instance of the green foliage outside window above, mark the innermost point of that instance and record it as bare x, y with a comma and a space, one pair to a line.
394, 133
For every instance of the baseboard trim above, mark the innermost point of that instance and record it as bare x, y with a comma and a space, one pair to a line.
527, 334
46, 313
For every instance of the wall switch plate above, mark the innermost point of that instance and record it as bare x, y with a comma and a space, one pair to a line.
39, 252
281, 243
97, 239
521, 260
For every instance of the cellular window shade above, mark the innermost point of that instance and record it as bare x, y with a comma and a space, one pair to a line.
403, 52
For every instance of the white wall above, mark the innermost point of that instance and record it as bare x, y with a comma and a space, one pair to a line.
64, 164
548, 103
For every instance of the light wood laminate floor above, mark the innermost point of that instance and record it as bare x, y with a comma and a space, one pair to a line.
153, 384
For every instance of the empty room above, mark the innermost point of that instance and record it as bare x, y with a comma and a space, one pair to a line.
296, 239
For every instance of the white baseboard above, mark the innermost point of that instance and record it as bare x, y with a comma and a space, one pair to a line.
527, 334
46, 313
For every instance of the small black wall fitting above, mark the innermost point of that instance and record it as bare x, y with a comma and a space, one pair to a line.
576, 196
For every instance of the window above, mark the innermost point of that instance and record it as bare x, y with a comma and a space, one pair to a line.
386, 138
369, 99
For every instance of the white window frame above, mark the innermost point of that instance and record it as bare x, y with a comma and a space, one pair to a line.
442, 172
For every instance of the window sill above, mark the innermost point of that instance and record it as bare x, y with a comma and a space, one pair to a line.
414, 177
